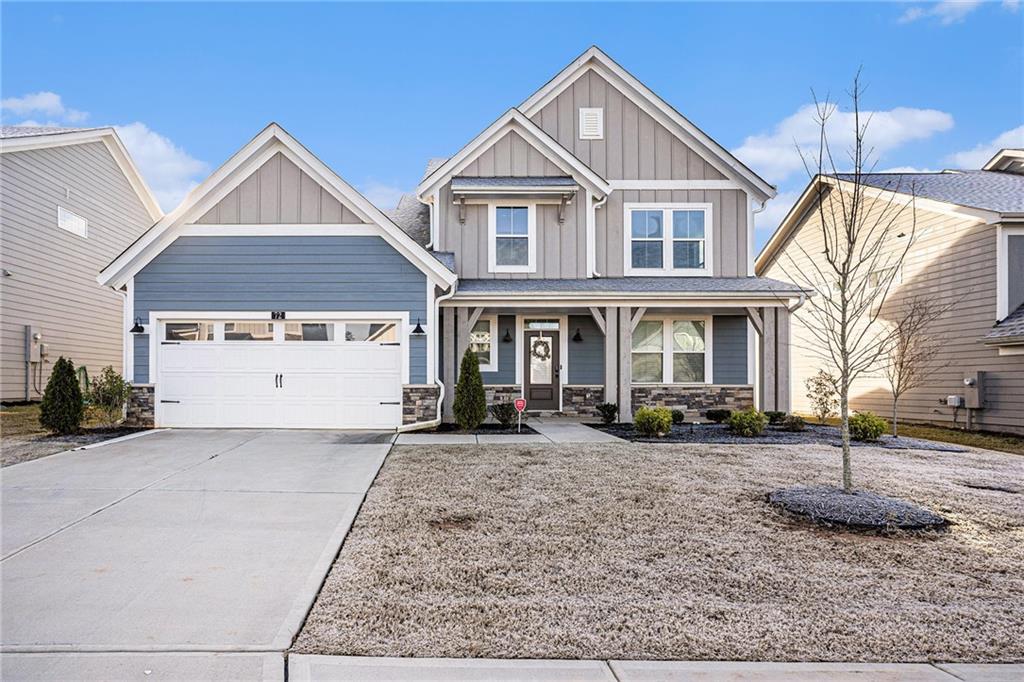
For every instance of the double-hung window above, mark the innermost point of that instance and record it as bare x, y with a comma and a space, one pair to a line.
671, 351
668, 239
482, 340
512, 233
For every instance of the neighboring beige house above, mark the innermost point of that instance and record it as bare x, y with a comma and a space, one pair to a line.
70, 200
968, 253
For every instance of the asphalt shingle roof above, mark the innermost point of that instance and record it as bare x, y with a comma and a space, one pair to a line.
1010, 328
7, 132
413, 216
433, 164
987, 190
629, 284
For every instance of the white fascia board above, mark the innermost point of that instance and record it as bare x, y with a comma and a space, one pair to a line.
513, 119
597, 299
231, 174
595, 59
109, 137
796, 212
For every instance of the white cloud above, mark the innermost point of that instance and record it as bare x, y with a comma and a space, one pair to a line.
382, 195
767, 220
976, 157
948, 12
45, 103
168, 169
774, 155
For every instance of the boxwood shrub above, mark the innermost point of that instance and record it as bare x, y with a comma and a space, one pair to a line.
774, 416
678, 417
718, 415
866, 426
748, 422
653, 421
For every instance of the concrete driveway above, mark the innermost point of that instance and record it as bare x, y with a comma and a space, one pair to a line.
178, 541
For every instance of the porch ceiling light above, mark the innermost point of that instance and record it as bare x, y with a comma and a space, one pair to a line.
137, 328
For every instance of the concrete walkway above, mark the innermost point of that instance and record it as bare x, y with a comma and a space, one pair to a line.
549, 430
302, 668
166, 552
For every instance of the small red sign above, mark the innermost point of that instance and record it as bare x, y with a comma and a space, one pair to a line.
520, 404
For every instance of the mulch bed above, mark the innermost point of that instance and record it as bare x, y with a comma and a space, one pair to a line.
487, 428
861, 509
814, 434
24, 448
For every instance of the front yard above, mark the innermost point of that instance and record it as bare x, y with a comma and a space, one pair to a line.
23, 439
639, 551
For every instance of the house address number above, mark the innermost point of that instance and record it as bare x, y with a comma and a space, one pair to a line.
277, 315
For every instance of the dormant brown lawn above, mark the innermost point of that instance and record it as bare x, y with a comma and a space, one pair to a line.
639, 551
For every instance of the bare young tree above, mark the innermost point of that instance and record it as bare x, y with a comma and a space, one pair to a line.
911, 356
865, 235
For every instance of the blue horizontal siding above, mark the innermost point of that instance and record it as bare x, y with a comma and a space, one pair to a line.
282, 273
729, 349
506, 373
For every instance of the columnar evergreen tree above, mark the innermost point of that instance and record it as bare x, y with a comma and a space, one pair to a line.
62, 408
470, 400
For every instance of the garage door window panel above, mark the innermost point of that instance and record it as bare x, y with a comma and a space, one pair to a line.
371, 332
188, 331
309, 331
248, 331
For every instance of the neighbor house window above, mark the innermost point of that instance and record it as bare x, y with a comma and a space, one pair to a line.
668, 240
482, 342
188, 331
667, 350
512, 239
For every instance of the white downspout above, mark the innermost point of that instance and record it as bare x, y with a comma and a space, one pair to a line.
592, 237
751, 212
437, 362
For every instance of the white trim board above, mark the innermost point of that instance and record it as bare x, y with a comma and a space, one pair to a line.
270, 141
113, 144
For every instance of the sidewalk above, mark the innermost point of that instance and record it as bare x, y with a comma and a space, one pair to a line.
549, 430
303, 667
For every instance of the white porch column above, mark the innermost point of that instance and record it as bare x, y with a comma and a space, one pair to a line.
448, 350
611, 354
625, 374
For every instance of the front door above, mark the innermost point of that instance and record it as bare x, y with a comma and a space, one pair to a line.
542, 386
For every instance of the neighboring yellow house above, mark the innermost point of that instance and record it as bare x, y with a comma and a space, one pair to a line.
968, 253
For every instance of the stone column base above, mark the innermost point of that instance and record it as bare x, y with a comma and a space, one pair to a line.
419, 403
694, 400
582, 401
141, 411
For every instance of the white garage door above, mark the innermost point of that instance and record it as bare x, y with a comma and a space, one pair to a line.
260, 374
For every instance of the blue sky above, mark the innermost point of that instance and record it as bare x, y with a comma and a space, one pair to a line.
375, 90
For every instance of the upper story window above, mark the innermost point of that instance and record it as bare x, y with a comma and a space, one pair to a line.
669, 239
512, 231
591, 123
72, 222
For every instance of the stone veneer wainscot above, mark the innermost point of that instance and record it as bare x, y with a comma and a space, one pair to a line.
692, 399
419, 403
141, 410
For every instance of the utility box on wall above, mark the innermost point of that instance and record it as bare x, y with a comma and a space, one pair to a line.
974, 390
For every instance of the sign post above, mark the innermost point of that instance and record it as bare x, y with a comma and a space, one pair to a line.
520, 404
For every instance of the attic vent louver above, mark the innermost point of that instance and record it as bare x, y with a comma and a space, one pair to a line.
591, 123
72, 222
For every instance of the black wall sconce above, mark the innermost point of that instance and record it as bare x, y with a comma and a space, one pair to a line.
507, 338
577, 337
137, 328
418, 329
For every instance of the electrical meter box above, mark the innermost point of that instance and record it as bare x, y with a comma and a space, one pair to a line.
974, 390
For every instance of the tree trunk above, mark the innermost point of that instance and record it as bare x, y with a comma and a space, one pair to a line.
844, 430
895, 429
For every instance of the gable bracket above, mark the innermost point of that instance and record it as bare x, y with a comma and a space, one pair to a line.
561, 209
462, 210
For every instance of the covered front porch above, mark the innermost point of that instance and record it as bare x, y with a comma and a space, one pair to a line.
566, 356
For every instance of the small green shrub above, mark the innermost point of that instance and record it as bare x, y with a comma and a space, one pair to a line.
774, 416
678, 417
470, 406
821, 391
109, 394
866, 426
62, 407
718, 415
793, 422
653, 421
608, 412
505, 413
748, 423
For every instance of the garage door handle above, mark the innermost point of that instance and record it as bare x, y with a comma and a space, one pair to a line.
171, 401
391, 344
170, 343
390, 403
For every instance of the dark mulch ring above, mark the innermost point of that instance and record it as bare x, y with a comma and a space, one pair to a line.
487, 428
814, 434
861, 510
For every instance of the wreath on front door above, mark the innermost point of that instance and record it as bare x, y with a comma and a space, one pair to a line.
541, 350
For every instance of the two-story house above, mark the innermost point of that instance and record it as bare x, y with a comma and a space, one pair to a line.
590, 245
70, 200
965, 255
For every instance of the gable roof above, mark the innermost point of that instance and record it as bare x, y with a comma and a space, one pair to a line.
513, 120
26, 138
1009, 330
1008, 160
663, 112
901, 187
270, 141
987, 190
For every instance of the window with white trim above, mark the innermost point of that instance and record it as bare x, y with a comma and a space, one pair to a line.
669, 239
483, 342
512, 232
671, 351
